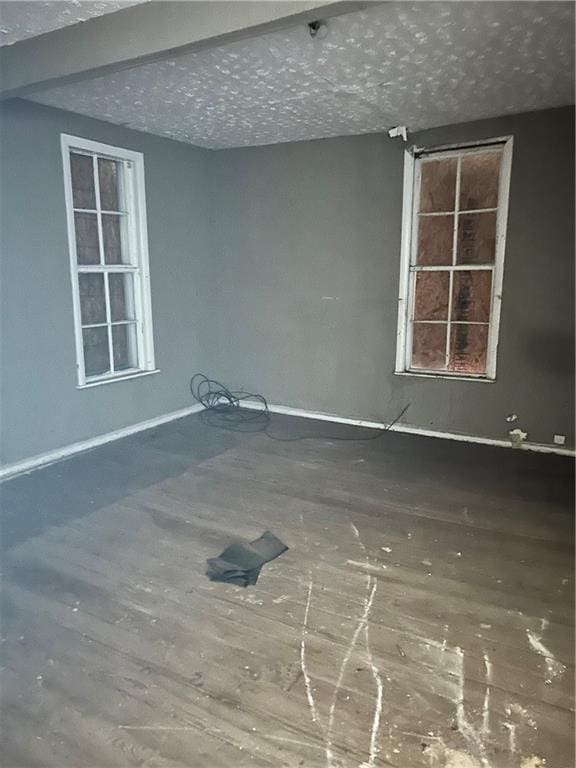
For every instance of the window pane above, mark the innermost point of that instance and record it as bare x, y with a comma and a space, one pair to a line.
429, 346
431, 299
113, 238
87, 247
476, 238
438, 185
96, 356
82, 170
121, 288
124, 346
435, 235
471, 294
109, 180
92, 298
479, 180
468, 348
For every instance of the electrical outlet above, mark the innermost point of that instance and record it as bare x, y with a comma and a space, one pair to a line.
559, 439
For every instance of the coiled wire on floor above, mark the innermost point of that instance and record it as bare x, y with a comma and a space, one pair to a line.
240, 411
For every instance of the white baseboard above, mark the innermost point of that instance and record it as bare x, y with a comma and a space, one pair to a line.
409, 429
51, 457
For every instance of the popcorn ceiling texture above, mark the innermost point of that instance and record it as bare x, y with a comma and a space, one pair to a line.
20, 20
419, 64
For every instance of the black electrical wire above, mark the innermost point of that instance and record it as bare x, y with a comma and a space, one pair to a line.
223, 408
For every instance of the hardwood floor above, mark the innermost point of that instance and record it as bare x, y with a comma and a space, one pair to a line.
423, 615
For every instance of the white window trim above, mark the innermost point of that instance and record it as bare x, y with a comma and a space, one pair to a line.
138, 234
408, 234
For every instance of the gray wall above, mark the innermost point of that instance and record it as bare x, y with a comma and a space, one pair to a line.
41, 408
296, 223
246, 246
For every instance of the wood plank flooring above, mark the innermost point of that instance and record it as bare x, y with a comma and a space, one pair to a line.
423, 615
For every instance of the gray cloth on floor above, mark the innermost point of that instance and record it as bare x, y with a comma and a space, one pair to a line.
241, 563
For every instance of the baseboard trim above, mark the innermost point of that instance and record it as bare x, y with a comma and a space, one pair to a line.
8, 471
410, 429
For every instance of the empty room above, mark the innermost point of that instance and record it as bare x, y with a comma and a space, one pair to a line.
287, 383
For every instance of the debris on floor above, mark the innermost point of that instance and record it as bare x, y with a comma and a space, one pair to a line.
241, 563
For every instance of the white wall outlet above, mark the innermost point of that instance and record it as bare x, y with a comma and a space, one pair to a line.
559, 439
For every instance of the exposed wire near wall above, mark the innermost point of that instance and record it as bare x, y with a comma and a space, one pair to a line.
226, 409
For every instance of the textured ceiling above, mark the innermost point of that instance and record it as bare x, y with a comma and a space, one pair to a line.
419, 64
20, 20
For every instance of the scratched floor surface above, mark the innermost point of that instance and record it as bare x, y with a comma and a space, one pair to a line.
422, 616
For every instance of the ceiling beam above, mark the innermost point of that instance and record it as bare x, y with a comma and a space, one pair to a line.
145, 33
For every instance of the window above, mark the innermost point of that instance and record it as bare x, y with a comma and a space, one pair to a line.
106, 212
454, 226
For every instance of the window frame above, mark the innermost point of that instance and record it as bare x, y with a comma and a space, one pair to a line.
137, 237
410, 203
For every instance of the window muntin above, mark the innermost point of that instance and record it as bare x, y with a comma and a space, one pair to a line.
109, 260
453, 253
